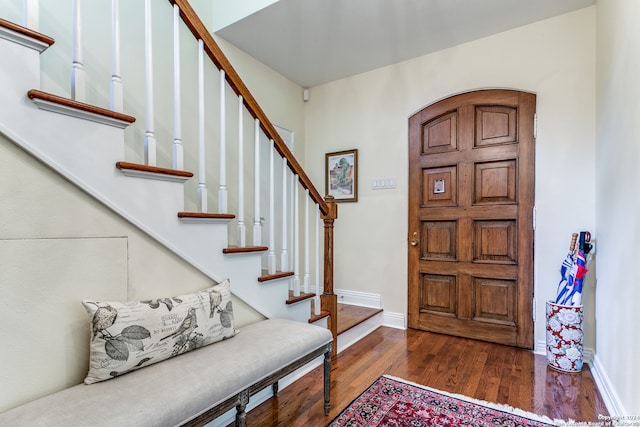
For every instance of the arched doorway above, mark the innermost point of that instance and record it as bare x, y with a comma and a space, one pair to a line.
471, 196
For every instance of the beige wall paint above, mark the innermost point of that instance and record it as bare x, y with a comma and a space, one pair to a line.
554, 58
617, 203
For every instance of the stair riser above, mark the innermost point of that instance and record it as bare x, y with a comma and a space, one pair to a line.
17, 79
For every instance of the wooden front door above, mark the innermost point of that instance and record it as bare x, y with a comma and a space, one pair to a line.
471, 195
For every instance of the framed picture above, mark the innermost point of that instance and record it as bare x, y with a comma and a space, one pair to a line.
341, 175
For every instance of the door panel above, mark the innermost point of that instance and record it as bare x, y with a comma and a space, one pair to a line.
470, 205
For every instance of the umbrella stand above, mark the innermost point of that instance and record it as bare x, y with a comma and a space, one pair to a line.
565, 337
565, 316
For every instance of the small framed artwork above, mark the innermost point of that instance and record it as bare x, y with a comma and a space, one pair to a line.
341, 175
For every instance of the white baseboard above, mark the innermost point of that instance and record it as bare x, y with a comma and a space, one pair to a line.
607, 391
540, 348
394, 320
362, 299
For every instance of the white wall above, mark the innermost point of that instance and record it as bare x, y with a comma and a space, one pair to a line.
617, 203
554, 58
59, 245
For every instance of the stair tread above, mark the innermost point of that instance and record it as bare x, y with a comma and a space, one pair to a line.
350, 316
77, 105
244, 249
205, 215
317, 317
265, 277
27, 32
153, 169
303, 296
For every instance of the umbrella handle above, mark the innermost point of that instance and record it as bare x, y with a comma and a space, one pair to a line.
574, 239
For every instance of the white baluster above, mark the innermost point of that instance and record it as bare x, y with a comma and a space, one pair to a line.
78, 91
149, 136
222, 189
257, 229
116, 97
292, 188
296, 241
271, 256
202, 175
307, 274
316, 304
178, 149
242, 232
284, 255
31, 14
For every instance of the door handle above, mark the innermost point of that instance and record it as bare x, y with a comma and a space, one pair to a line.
414, 241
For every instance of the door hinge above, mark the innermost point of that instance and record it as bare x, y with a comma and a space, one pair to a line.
534, 310
535, 125
533, 218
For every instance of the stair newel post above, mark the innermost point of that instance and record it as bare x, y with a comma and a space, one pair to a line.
78, 87
178, 150
296, 240
329, 299
316, 304
149, 136
222, 188
257, 229
202, 175
307, 276
31, 14
284, 254
271, 256
242, 232
116, 97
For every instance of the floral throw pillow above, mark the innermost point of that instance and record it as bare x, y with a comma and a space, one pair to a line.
127, 335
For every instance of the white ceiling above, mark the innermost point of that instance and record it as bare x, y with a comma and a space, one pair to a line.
312, 42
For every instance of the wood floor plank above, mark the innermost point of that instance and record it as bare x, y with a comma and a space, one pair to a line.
485, 371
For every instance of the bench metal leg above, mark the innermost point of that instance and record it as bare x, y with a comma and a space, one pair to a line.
241, 415
274, 388
327, 379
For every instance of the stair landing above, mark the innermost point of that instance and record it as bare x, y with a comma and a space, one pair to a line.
350, 316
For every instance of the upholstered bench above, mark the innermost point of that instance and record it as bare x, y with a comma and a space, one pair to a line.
190, 389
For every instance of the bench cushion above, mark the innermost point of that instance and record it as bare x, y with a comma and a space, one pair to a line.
128, 335
180, 388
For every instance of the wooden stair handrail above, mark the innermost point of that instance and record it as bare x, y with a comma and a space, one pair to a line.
200, 32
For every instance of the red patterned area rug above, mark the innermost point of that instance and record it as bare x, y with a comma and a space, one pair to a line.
393, 402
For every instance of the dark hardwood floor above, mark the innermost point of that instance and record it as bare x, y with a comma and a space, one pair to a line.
477, 369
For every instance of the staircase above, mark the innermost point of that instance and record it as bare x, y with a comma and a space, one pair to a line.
119, 160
